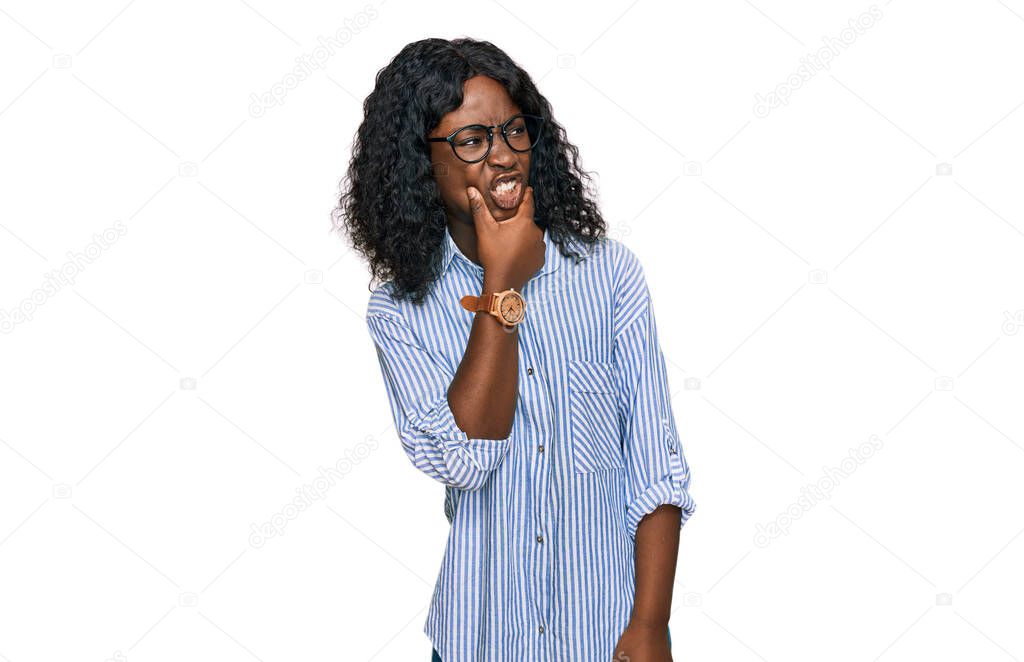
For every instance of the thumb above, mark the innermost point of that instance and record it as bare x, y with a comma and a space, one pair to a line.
478, 208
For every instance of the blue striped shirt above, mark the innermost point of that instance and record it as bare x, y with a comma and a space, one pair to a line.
539, 562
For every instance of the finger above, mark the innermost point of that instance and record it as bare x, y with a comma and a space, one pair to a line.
526, 206
481, 215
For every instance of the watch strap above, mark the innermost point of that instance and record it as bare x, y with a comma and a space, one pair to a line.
486, 303
477, 304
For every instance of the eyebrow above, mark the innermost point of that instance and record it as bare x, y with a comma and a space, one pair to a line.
478, 123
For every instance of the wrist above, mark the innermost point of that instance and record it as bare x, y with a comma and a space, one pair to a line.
499, 282
643, 622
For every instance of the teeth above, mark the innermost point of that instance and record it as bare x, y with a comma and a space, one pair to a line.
505, 187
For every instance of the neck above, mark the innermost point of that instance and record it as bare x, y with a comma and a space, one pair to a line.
464, 236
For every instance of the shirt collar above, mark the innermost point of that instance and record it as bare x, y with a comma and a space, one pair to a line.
553, 258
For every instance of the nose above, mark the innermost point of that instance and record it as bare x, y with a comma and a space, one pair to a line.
501, 154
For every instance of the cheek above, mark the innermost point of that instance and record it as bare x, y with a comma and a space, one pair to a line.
448, 183
452, 188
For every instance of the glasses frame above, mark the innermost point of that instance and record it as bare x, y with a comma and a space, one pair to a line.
450, 138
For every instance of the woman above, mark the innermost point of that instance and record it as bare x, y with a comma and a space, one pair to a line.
520, 356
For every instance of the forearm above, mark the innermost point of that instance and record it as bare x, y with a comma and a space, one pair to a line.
484, 390
656, 550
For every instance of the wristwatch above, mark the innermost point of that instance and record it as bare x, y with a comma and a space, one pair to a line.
508, 306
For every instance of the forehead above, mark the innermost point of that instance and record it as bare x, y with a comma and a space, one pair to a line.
484, 101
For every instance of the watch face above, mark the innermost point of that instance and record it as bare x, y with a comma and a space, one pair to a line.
512, 308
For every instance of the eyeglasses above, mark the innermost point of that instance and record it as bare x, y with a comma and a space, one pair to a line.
473, 143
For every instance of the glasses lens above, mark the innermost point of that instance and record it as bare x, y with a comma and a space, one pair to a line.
471, 143
523, 132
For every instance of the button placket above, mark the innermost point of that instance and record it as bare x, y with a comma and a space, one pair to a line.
536, 398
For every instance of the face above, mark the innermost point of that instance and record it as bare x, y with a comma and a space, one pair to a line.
485, 101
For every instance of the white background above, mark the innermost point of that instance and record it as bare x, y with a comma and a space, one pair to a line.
847, 265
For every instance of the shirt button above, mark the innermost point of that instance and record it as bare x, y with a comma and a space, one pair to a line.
540, 629
540, 538
540, 449
529, 370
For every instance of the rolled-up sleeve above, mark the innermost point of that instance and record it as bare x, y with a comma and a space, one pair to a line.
657, 472
417, 388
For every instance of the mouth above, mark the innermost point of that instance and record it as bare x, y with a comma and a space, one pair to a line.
506, 191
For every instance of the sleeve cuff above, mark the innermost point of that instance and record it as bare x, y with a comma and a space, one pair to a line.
666, 491
469, 460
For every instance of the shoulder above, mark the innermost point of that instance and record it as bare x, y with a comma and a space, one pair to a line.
383, 303
616, 259
394, 318
386, 320
386, 317
622, 267
625, 273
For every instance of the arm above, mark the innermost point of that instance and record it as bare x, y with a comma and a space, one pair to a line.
486, 385
657, 546
454, 428
657, 549
457, 428
658, 502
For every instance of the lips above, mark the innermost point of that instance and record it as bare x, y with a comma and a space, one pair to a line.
506, 190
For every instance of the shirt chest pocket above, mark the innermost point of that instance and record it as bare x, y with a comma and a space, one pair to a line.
593, 417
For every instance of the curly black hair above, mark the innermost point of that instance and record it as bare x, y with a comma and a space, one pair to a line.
390, 205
